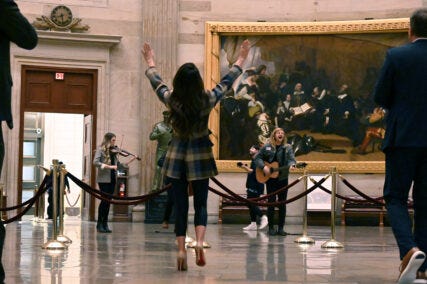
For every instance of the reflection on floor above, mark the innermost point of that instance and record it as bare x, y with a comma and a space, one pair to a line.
145, 253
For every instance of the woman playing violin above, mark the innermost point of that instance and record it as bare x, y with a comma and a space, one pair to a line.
107, 162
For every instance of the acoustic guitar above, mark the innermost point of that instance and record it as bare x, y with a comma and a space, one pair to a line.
274, 171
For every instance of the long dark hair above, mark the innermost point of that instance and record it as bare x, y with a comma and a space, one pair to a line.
187, 100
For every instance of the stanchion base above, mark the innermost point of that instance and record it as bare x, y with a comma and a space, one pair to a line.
193, 244
332, 244
304, 240
64, 239
54, 245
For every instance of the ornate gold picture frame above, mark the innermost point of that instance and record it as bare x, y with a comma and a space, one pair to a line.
343, 48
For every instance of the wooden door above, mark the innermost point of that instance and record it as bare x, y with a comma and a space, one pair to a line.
88, 202
62, 90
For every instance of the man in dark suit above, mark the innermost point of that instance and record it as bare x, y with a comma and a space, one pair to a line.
14, 27
402, 90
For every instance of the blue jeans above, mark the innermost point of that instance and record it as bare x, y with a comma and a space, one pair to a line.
180, 195
405, 166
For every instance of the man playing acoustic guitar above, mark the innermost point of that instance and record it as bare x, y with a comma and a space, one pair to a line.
275, 158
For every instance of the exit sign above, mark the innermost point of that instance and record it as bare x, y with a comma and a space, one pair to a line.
59, 76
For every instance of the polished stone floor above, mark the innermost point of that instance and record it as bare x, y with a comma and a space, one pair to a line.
145, 253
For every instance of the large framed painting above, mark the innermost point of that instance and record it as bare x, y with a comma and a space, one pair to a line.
313, 79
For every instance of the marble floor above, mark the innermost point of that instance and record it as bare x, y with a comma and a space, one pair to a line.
145, 253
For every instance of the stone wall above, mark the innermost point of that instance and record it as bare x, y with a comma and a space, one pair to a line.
176, 30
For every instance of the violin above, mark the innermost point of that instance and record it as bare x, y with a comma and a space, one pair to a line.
123, 152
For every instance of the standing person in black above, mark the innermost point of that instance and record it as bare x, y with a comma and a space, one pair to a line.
107, 163
14, 27
254, 189
402, 90
276, 150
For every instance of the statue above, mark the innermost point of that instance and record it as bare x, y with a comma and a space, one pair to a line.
162, 132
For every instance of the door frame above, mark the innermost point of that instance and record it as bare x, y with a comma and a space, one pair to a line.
92, 112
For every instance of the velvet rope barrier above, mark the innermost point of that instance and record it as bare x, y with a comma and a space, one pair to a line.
376, 200
237, 197
277, 203
367, 197
29, 204
40, 189
113, 199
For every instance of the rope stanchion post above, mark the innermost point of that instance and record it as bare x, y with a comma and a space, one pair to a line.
304, 239
61, 237
54, 244
36, 206
332, 243
1, 202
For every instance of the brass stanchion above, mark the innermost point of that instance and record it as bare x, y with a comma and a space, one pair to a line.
332, 243
54, 244
61, 237
304, 239
41, 202
1, 203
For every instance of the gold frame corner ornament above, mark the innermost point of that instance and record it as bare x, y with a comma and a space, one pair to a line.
214, 31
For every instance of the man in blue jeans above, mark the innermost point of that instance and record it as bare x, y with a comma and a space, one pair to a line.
14, 27
402, 90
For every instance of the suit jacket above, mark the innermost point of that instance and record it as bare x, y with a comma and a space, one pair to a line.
402, 90
14, 27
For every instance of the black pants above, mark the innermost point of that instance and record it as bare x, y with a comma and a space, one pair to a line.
180, 193
273, 184
104, 206
253, 209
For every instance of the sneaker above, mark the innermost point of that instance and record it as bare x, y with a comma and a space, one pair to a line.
264, 222
280, 232
252, 227
410, 264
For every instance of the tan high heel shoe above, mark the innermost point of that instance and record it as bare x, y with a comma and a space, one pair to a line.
181, 261
200, 256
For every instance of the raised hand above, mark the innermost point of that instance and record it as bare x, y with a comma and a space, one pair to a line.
243, 52
148, 54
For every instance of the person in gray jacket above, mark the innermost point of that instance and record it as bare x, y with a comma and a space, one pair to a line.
107, 162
